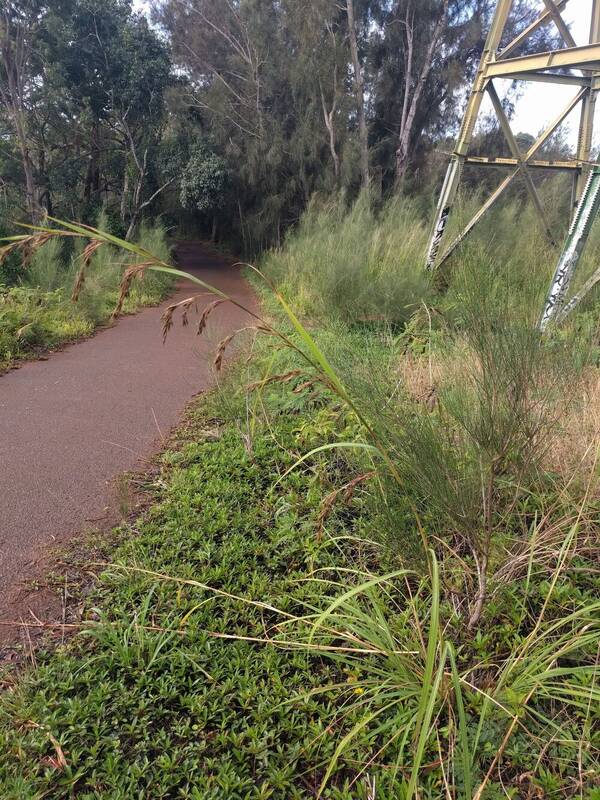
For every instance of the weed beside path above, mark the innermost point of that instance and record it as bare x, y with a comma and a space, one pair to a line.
42, 310
151, 702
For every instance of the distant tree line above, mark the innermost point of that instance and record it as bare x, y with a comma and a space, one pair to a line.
237, 110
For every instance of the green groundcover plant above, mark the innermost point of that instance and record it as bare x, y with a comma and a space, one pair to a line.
305, 613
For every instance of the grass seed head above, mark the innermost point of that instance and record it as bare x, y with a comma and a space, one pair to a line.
224, 343
126, 281
78, 285
185, 305
206, 314
222, 346
284, 377
90, 250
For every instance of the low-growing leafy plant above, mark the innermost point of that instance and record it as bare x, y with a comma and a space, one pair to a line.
445, 696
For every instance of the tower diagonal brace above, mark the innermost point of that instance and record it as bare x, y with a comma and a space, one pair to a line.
454, 171
536, 66
527, 158
521, 163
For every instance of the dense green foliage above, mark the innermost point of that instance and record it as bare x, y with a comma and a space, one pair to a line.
241, 110
83, 109
204, 182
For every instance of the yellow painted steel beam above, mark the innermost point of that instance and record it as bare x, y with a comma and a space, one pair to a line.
543, 19
453, 173
495, 196
521, 163
584, 57
493, 161
555, 77
560, 23
476, 97
491, 201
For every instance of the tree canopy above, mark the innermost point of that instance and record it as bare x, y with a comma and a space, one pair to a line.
240, 110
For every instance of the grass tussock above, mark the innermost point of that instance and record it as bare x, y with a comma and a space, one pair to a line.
354, 264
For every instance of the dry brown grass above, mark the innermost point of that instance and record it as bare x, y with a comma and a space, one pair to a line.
423, 376
574, 449
576, 444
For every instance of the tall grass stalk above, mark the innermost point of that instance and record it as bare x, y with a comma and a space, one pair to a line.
353, 263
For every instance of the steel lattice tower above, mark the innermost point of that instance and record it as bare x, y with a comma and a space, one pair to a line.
573, 65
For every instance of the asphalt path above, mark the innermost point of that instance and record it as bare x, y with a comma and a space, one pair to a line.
72, 423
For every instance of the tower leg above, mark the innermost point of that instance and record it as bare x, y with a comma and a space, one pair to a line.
454, 172
585, 214
586, 127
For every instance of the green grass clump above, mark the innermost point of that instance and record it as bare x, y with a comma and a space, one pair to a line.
38, 313
354, 264
33, 320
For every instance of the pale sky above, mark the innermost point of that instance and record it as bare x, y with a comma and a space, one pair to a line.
540, 102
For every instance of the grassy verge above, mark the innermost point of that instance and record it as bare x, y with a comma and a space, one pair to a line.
37, 312
238, 653
138, 712
370, 572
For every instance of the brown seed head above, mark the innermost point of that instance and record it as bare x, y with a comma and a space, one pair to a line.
281, 378
90, 250
128, 276
206, 314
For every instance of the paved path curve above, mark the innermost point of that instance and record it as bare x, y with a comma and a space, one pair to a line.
72, 423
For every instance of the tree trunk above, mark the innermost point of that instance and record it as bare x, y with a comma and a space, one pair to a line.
31, 191
92, 176
328, 116
359, 90
44, 197
125, 194
410, 104
131, 228
141, 171
13, 52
